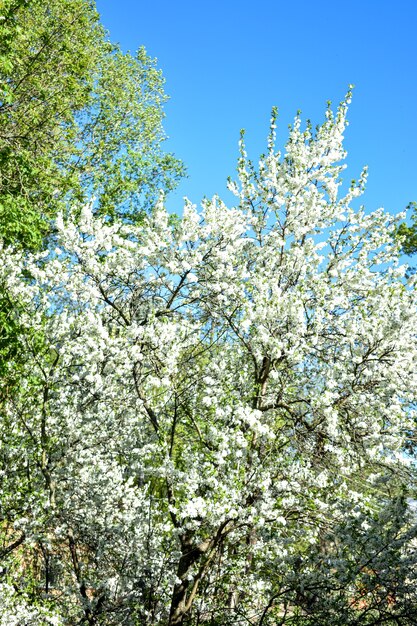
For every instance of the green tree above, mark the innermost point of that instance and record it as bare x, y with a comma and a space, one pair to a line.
118, 157
77, 118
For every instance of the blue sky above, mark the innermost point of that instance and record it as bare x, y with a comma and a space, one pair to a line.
227, 63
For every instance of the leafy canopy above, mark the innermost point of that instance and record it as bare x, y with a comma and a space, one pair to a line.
77, 118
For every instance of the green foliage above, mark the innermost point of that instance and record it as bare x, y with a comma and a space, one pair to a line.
118, 158
47, 52
77, 118
408, 234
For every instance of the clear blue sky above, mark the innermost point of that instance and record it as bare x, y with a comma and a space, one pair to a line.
227, 63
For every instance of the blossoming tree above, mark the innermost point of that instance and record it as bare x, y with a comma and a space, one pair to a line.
214, 410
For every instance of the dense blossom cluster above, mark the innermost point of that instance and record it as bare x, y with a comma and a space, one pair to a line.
212, 411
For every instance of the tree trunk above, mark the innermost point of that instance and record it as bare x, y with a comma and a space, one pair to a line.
181, 603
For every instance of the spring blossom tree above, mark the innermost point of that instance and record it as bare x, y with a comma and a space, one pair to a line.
213, 410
